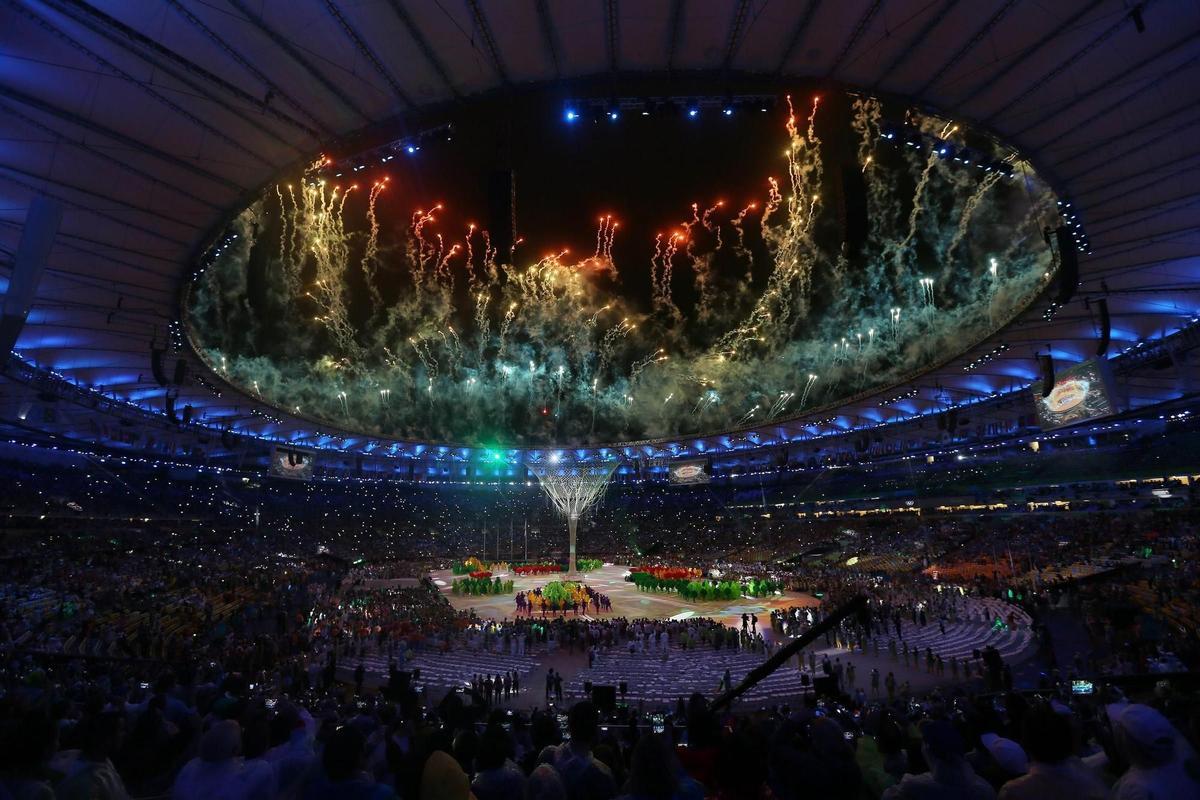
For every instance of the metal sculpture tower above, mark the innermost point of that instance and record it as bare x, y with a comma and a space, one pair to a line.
573, 488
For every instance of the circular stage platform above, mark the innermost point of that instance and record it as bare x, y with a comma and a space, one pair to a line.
627, 601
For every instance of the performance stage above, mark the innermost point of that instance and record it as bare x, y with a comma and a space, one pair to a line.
626, 600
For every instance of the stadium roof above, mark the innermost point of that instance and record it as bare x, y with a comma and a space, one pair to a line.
152, 120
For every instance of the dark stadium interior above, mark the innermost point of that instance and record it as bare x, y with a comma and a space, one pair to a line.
584, 399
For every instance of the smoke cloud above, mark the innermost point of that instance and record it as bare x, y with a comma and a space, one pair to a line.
419, 331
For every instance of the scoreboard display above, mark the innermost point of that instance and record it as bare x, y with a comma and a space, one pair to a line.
684, 473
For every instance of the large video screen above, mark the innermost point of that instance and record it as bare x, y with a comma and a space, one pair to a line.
1081, 392
288, 462
684, 473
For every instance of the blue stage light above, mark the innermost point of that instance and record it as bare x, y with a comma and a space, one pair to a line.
571, 115
614, 115
727, 111
410, 149
693, 112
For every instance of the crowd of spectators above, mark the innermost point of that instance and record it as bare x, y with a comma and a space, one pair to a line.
172, 655
95, 733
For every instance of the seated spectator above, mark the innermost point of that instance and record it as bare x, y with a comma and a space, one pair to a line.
292, 756
466, 746
655, 773
91, 775
741, 763
1161, 763
148, 757
1005, 760
699, 757
220, 771
442, 779
1055, 771
544, 784
950, 777
174, 709
498, 777
812, 759
25, 748
343, 774
881, 758
584, 776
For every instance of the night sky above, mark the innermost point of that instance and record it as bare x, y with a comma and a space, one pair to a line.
646, 171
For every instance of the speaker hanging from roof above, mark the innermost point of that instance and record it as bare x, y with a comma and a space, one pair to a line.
180, 372
1047, 363
1068, 266
169, 405
187, 413
156, 365
1105, 327
502, 210
854, 207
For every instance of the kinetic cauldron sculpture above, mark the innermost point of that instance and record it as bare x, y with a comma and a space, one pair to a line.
573, 488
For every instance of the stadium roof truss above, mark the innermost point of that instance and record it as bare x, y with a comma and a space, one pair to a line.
152, 120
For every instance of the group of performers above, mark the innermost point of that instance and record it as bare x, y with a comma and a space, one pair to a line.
580, 598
